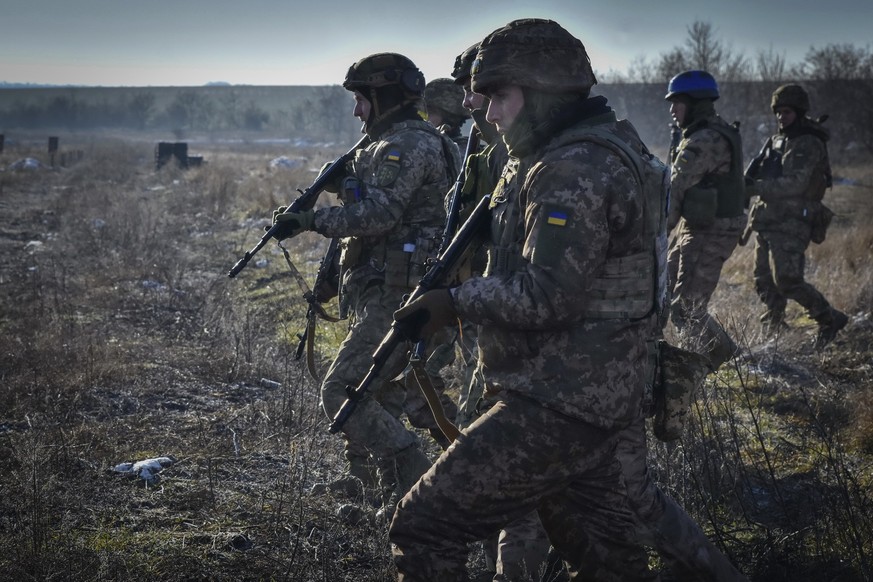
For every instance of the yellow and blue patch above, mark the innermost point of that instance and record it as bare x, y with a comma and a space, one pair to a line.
393, 155
556, 218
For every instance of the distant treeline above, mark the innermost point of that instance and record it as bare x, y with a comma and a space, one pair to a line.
839, 79
325, 113
309, 112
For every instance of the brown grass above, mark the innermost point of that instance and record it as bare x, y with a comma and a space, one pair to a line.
121, 338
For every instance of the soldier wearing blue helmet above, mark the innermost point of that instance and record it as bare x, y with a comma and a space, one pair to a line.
707, 211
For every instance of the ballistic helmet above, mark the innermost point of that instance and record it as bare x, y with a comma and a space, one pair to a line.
695, 84
444, 95
793, 96
463, 62
384, 69
534, 53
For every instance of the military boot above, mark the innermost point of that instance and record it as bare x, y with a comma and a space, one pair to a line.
773, 323
829, 324
398, 474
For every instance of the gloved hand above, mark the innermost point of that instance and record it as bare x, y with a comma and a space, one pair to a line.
424, 316
290, 224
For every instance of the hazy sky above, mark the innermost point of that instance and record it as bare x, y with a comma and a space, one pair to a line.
312, 42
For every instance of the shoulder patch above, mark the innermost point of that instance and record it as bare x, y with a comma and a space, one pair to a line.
553, 235
388, 170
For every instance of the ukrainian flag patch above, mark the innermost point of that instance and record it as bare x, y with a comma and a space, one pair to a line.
394, 155
557, 218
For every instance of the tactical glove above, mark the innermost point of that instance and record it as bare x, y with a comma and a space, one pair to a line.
426, 315
290, 224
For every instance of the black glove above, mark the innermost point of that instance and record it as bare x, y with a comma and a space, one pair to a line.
290, 224
426, 315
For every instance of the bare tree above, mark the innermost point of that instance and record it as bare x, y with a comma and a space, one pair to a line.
641, 70
771, 66
702, 50
844, 62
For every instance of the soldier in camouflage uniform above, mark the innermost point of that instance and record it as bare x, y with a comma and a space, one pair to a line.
707, 209
391, 219
790, 185
445, 111
520, 550
569, 377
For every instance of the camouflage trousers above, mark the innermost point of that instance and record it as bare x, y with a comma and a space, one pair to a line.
779, 264
665, 526
372, 429
519, 550
518, 458
694, 262
522, 550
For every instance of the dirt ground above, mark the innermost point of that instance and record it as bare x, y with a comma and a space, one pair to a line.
124, 340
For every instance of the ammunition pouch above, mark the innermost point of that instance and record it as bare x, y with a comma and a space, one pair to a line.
820, 220
677, 375
405, 267
699, 206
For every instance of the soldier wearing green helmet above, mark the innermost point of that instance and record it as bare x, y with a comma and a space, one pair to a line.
565, 333
790, 183
444, 102
390, 223
566, 376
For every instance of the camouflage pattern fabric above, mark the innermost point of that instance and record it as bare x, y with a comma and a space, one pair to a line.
783, 231
404, 176
522, 550
697, 254
694, 264
680, 373
704, 152
663, 524
533, 337
521, 457
564, 382
779, 276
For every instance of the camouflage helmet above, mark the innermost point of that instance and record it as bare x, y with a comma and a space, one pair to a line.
535, 53
383, 69
463, 63
443, 94
793, 96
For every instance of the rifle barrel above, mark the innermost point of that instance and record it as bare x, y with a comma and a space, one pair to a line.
306, 199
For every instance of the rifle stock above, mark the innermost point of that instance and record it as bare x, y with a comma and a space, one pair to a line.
435, 276
306, 200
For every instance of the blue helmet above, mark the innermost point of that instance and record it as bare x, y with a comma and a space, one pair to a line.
695, 84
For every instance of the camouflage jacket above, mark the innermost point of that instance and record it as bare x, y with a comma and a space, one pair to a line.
397, 209
565, 210
702, 154
785, 203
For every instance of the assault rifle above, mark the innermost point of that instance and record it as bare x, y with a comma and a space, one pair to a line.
761, 167
305, 201
454, 210
436, 276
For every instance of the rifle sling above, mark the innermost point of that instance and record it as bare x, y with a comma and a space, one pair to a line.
309, 338
436, 407
315, 309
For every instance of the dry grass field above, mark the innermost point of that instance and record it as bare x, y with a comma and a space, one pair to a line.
122, 339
